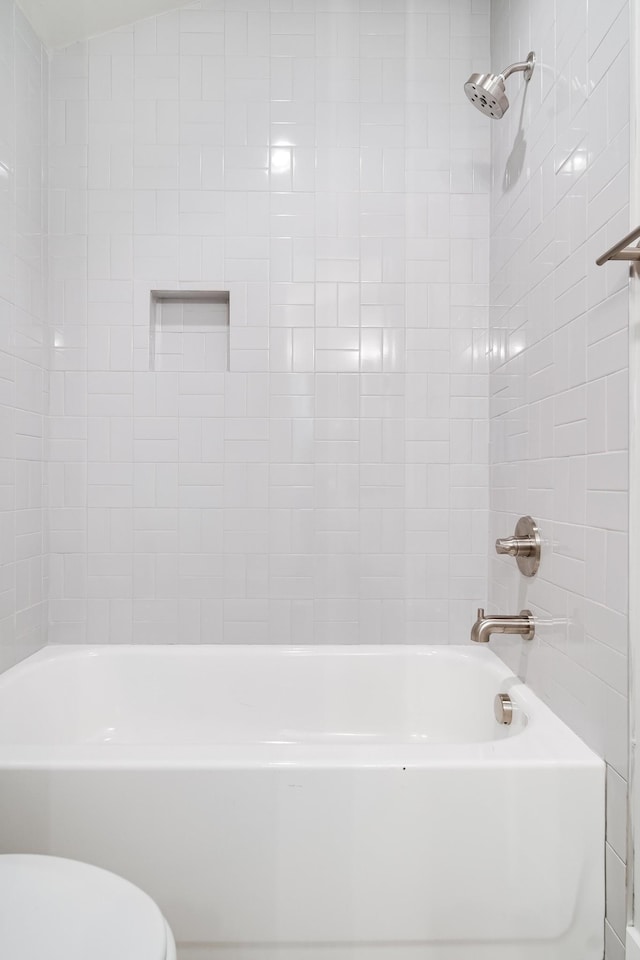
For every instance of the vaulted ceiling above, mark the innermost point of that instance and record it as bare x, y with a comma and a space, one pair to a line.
61, 22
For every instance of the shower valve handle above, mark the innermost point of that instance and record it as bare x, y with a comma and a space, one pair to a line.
524, 545
516, 546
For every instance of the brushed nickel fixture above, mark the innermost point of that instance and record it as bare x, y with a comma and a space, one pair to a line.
503, 708
619, 252
486, 91
522, 625
524, 545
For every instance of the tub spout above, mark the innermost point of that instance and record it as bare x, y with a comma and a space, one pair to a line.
522, 625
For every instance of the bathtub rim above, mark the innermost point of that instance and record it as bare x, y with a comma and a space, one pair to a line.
545, 741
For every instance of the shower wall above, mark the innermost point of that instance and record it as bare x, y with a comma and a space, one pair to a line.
317, 471
559, 352
23, 337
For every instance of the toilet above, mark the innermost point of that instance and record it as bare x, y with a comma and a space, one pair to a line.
66, 910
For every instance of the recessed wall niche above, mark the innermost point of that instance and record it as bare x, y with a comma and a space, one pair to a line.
189, 330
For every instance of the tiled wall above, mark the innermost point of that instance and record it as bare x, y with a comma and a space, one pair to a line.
23, 337
559, 397
319, 161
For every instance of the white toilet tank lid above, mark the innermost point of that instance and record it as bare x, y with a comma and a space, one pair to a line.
66, 910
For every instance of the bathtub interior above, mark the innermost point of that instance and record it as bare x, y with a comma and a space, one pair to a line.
277, 696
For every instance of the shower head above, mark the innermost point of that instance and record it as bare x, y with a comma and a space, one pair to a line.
486, 90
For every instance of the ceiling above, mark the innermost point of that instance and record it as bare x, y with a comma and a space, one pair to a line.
61, 22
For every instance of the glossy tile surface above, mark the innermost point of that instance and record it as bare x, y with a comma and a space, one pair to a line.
327, 481
24, 338
559, 356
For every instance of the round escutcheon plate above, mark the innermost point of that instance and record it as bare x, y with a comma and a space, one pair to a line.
528, 563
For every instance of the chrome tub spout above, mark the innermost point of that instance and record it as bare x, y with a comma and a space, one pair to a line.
522, 625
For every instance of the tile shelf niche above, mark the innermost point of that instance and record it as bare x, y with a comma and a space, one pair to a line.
189, 330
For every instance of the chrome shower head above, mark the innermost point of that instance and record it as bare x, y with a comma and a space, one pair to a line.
487, 93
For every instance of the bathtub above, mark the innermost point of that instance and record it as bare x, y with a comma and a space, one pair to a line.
326, 803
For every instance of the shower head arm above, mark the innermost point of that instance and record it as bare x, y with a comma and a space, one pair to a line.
526, 67
487, 93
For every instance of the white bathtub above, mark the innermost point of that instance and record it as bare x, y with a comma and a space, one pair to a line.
333, 803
